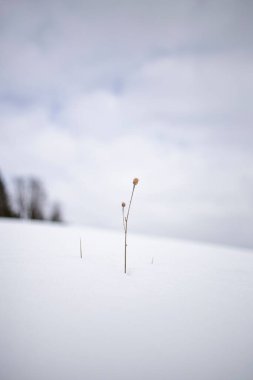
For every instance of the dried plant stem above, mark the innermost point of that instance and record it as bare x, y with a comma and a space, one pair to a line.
125, 250
130, 203
124, 219
125, 224
81, 252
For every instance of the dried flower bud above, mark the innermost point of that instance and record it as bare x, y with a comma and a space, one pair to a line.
123, 204
135, 181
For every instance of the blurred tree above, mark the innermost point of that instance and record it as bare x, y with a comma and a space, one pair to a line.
5, 208
37, 198
21, 197
56, 214
30, 200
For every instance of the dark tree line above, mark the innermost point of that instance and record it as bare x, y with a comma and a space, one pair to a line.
28, 201
5, 207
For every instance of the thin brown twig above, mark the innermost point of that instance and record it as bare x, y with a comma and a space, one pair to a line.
125, 219
130, 203
81, 252
126, 227
123, 215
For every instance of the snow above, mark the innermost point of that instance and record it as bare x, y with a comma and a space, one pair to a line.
183, 311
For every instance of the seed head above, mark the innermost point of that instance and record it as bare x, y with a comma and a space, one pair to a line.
135, 181
123, 204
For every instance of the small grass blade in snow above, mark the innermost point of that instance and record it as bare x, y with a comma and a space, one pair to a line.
81, 253
125, 220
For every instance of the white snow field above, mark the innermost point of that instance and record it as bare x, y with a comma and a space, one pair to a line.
188, 315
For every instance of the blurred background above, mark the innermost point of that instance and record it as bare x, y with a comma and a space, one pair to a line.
95, 93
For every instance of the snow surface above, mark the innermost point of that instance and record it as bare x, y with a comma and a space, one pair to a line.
187, 315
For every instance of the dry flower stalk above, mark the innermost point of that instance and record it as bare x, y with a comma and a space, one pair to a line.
125, 220
81, 251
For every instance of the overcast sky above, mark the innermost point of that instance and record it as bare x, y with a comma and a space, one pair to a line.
95, 93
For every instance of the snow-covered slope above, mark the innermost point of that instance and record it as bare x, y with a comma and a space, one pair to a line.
187, 315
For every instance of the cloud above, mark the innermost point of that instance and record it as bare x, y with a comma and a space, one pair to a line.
51, 49
184, 191
93, 94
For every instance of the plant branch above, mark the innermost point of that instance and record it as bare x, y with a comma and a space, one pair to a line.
81, 252
124, 219
130, 204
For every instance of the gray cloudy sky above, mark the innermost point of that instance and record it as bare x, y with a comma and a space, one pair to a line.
94, 93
